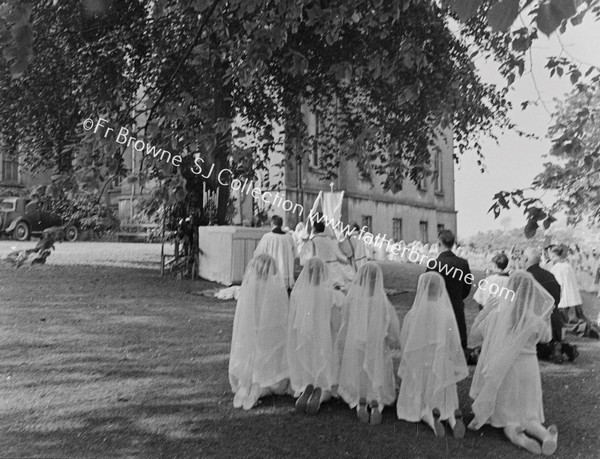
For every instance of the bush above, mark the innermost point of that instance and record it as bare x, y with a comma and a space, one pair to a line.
82, 209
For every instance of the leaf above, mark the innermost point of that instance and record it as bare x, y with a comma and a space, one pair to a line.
548, 18
575, 74
521, 44
548, 221
502, 14
578, 19
464, 9
566, 8
530, 229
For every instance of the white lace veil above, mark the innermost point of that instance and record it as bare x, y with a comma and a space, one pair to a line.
259, 327
310, 345
365, 322
518, 322
431, 347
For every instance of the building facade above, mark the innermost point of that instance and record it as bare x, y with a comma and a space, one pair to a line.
417, 212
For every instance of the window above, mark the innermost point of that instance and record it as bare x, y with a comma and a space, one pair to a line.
437, 172
8, 206
440, 228
422, 184
424, 233
314, 125
10, 169
116, 182
397, 229
367, 221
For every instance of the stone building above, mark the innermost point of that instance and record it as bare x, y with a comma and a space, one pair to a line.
415, 213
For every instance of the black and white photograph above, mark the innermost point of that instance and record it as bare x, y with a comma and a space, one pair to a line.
299, 228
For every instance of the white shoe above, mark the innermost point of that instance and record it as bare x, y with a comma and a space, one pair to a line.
550, 443
240, 396
252, 398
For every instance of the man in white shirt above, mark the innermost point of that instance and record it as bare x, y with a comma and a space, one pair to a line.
280, 245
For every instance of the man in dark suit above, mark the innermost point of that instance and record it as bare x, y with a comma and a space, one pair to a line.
458, 278
555, 349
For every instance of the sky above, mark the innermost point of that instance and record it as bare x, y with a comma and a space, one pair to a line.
514, 161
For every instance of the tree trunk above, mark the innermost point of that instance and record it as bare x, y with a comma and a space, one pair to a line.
222, 110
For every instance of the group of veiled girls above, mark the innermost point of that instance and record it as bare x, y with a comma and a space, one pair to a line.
318, 343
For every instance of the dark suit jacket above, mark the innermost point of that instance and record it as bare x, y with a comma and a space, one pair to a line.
548, 281
456, 286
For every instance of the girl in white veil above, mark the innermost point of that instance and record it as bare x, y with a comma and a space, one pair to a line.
432, 360
506, 386
258, 361
313, 322
366, 371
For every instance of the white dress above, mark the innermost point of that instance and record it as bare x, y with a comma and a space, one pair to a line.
258, 342
506, 387
569, 290
311, 329
432, 359
519, 400
368, 321
281, 248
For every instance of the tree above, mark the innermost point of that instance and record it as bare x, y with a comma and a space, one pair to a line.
577, 193
575, 176
575, 172
398, 83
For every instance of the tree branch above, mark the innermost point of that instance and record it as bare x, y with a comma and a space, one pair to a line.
187, 54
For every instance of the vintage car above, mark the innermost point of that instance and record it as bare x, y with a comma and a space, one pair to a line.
23, 218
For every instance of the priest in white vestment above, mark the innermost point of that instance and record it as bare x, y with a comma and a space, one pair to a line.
327, 249
355, 249
280, 245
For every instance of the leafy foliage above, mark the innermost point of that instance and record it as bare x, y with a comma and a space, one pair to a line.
575, 172
177, 74
508, 239
81, 208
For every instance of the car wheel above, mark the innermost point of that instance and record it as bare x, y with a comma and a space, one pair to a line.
71, 233
21, 231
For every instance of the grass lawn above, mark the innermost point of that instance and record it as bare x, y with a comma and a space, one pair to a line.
116, 362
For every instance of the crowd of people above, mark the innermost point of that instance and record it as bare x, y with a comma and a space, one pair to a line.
333, 333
